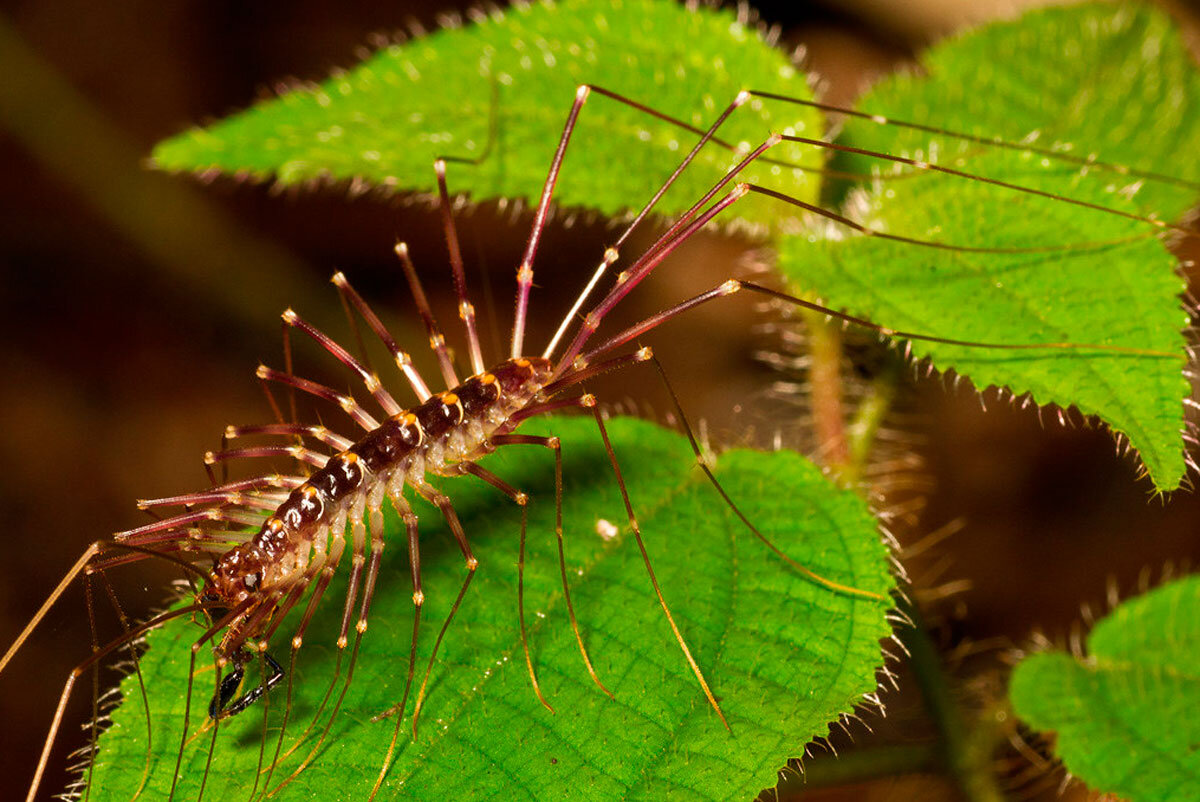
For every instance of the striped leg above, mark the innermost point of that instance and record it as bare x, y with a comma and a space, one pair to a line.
442, 502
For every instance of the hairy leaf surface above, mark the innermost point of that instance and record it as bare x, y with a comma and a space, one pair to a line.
1125, 714
1099, 80
784, 656
385, 121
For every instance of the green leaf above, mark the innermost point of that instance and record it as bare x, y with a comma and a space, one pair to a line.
1126, 714
1111, 80
784, 655
385, 121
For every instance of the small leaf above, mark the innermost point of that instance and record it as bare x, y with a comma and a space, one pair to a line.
386, 120
784, 656
1126, 714
1111, 80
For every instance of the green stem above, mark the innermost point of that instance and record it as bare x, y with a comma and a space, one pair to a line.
868, 419
863, 765
966, 755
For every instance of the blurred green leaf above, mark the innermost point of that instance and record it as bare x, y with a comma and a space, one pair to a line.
784, 656
1125, 714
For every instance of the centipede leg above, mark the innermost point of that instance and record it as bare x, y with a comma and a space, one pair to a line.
402, 358
585, 401
414, 560
703, 463
466, 310
637, 534
137, 669
437, 341
324, 574
442, 502
521, 499
359, 528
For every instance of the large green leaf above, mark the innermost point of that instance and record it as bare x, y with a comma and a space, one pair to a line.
385, 121
1126, 714
784, 656
1114, 81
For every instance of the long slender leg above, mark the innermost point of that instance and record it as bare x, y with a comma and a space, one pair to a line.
611, 254
585, 401
733, 286
360, 560
402, 359
325, 576
637, 533
267, 482
442, 502
437, 341
374, 386
137, 669
522, 500
703, 463
74, 675
414, 561
466, 310
350, 406
525, 271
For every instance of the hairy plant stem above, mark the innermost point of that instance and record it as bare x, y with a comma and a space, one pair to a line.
862, 765
825, 372
961, 752
967, 758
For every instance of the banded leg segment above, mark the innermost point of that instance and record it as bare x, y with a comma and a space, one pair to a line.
637, 534
414, 561
586, 401
521, 499
466, 311
402, 358
442, 502
374, 386
437, 341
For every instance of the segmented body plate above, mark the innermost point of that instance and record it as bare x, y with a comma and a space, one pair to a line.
449, 428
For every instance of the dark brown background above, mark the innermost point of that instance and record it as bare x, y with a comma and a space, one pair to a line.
134, 307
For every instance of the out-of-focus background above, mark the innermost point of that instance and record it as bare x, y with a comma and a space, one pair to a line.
134, 307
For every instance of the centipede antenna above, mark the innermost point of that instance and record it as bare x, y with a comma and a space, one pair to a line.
525, 271
611, 254
437, 340
69, 685
402, 359
466, 310
637, 534
1089, 161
